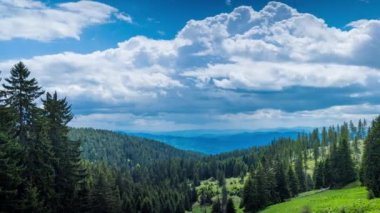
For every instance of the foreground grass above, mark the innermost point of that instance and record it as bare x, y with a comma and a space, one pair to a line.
348, 200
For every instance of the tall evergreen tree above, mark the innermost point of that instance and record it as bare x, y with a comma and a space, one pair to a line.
301, 176
282, 187
319, 175
67, 163
10, 169
21, 91
293, 182
371, 159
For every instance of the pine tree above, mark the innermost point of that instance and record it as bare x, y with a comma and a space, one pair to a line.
21, 93
293, 182
371, 159
282, 187
341, 164
10, 175
300, 173
39, 160
319, 176
258, 191
67, 163
32, 201
347, 173
10, 168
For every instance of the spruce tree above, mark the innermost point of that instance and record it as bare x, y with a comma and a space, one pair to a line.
347, 164
293, 182
300, 174
10, 175
319, 176
39, 160
282, 187
67, 162
257, 191
371, 159
10, 169
21, 91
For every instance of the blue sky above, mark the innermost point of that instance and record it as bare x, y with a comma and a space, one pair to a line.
146, 65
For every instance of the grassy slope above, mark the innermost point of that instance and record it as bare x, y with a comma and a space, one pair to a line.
351, 196
350, 199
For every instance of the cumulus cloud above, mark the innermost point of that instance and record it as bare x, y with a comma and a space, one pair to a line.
256, 120
278, 75
276, 118
222, 64
131, 72
31, 19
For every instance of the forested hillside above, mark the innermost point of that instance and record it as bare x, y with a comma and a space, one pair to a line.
122, 150
48, 167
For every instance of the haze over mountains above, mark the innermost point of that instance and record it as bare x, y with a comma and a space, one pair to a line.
215, 142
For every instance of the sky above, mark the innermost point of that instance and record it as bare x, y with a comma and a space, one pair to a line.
168, 65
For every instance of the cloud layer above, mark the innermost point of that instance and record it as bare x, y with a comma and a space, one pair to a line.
229, 64
31, 19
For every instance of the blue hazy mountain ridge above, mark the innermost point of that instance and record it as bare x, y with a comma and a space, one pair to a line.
215, 142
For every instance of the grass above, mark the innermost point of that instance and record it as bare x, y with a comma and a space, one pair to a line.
351, 199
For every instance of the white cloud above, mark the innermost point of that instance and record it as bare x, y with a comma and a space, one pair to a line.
130, 73
272, 49
31, 19
275, 118
279, 75
130, 122
124, 17
256, 120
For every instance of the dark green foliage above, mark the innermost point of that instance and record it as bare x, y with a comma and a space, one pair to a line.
216, 207
293, 182
300, 173
371, 159
10, 174
20, 95
31, 201
341, 166
258, 191
282, 187
230, 208
319, 176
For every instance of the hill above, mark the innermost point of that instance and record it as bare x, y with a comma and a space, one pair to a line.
120, 149
212, 142
352, 198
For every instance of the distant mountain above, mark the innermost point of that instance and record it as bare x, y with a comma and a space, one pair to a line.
215, 142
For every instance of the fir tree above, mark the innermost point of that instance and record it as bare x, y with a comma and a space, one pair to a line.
319, 176
282, 187
20, 95
10, 175
300, 174
371, 159
293, 182
67, 163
